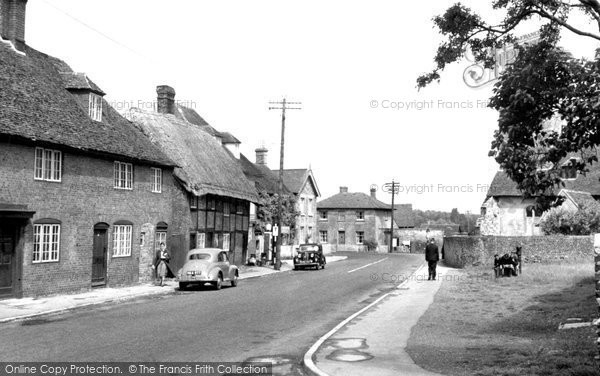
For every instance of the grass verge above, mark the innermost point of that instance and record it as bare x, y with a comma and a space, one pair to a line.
480, 325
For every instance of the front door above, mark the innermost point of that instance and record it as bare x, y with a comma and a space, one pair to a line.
7, 259
99, 257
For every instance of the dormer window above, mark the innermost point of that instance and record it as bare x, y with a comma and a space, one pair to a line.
95, 107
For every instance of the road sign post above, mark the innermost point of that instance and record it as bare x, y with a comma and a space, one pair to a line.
392, 188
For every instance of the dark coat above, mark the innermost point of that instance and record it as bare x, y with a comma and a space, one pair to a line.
157, 260
431, 252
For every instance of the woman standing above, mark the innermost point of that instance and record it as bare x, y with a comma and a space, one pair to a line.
161, 264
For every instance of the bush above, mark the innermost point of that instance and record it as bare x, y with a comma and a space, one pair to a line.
371, 244
585, 221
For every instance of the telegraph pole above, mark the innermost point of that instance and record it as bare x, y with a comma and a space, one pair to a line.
283, 106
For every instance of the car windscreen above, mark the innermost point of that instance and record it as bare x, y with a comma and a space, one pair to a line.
199, 256
313, 248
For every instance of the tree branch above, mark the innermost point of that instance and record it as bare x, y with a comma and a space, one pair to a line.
562, 23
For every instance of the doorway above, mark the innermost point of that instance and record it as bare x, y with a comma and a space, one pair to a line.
99, 264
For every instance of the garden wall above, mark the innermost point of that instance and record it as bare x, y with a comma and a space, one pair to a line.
461, 251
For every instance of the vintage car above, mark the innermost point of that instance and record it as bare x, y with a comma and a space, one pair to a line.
310, 255
208, 265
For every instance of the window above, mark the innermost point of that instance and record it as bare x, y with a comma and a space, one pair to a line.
201, 240
193, 201
302, 205
122, 240
226, 209
310, 234
160, 237
341, 217
157, 180
46, 242
95, 107
226, 241
323, 236
310, 207
323, 215
360, 237
215, 241
47, 165
530, 211
123, 175
360, 215
341, 237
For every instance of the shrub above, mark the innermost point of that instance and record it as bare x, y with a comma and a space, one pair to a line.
371, 244
585, 221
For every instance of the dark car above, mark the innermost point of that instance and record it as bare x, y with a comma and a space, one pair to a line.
310, 255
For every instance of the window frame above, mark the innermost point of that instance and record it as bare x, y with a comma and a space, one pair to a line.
41, 248
360, 237
156, 179
323, 236
40, 166
360, 215
122, 241
323, 215
95, 107
118, 175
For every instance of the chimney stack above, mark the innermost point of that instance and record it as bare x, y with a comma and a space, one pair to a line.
261, 156
373, 190
343, 189
12, 22
165, 99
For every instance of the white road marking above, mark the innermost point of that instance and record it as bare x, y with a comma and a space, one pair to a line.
364, 266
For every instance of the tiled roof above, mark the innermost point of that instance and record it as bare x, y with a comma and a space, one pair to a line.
264, 178
403, 215
295, 179
349, 200
205, 166
190, 115
502, 185
35, 106
580, 198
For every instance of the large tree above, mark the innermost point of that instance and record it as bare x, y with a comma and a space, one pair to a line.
544, 84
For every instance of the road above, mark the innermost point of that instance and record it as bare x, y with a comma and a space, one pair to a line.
279, 315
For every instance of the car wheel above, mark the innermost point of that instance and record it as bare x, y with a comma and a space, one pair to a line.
323, 266
182, 286
219, 283
234, 281
295, 267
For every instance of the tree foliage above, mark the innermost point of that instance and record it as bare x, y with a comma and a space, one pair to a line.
585, 221
544, 84
267, 210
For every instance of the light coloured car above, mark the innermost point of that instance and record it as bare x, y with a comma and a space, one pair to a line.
207, 265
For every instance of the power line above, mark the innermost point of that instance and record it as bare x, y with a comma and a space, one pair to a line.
95, 30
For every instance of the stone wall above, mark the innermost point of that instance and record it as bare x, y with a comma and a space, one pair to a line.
461, 251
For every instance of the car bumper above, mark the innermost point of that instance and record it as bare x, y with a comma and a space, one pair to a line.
307, 264
196, 278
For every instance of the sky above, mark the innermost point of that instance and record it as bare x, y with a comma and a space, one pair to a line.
352, 64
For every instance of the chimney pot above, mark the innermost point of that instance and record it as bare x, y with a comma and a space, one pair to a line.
261, 156
373, 192
165, 99
343, 189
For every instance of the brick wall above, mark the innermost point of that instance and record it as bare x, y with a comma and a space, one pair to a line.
373, 226
83, 198
461, 251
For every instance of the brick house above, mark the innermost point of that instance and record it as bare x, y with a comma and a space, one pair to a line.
302, 183
84, 195
212, 200
347, 220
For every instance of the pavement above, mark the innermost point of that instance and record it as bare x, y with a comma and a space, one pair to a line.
26, 308
373, 341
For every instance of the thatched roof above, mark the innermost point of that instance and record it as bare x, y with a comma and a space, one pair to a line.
35, 106
205, 167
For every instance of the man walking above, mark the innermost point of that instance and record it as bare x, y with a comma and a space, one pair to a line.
432, 257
